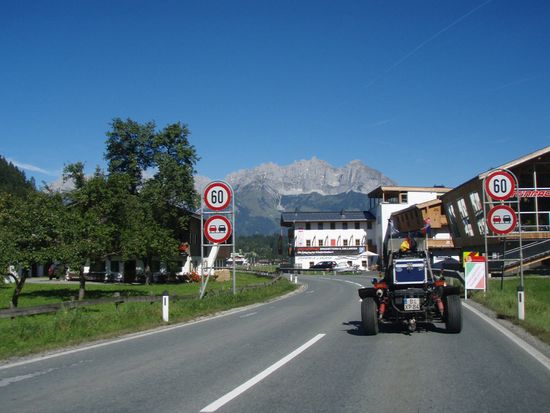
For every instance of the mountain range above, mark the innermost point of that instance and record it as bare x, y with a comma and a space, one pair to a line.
263, 192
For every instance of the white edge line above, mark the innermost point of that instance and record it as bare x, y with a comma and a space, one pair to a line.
212, 407
537, 355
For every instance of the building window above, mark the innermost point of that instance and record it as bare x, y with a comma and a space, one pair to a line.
320, 242
308, 243
308, 225
481, 227
452, 221
364, 264
320, 225
475, 201
345, 243
403, 198
311, 264
333, 225
369, 225
357, 225
465, 218
357, 242
462, 208
344, 225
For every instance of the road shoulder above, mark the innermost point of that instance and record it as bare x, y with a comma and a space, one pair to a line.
513, 328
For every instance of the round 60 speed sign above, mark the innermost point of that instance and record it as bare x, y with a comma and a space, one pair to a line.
217, 195
500, 185
217, 229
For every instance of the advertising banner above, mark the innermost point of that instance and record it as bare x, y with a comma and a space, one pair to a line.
350, 250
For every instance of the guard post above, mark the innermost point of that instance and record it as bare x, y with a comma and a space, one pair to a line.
165, 306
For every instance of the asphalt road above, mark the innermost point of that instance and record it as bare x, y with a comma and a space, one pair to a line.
305, 353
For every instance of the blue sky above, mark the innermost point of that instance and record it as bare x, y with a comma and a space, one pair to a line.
426, 91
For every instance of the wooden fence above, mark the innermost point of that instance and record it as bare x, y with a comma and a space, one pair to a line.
118, 300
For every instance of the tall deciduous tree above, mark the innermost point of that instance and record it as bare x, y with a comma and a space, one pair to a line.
129, 149
31, 233
90, 231
161, 204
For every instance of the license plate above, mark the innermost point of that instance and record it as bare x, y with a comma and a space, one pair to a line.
412, 304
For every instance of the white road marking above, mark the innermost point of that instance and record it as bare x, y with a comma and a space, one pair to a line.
9, 380
212, 407
353, 283
345, 281
537, 355
249, 315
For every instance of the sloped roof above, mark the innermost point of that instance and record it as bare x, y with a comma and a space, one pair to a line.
289, 218
378, 191
426, 204
518, 161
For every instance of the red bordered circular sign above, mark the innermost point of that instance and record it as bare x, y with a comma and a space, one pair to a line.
500, 185
217, 195
217, 229
502, 219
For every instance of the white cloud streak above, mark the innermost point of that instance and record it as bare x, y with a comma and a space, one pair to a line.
32, 168
425, 42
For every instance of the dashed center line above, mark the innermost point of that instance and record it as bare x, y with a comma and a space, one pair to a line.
248, 315
212, 407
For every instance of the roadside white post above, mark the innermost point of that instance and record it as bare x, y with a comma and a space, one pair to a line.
165, 305
521, 303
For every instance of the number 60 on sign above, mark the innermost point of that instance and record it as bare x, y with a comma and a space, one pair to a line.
500, 185
217, 196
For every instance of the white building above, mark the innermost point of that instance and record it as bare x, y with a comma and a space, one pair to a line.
385, 200
343, 237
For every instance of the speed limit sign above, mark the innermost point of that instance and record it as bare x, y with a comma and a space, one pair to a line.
500, 185
217, 195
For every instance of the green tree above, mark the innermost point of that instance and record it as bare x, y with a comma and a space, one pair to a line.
158, 208
90, 232
31, 230
171, 190
129, 149
12, 180
143, 237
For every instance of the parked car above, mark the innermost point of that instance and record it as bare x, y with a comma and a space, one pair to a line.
325, 265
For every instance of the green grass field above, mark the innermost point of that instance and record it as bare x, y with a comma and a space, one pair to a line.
504, 303
32, 334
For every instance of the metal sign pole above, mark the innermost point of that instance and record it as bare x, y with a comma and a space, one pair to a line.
233, 242
521, 288
202, 249
485, 233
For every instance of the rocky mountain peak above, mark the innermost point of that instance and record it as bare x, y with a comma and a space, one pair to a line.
308, 176
308, 185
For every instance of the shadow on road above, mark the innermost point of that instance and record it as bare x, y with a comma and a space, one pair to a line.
356, 328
